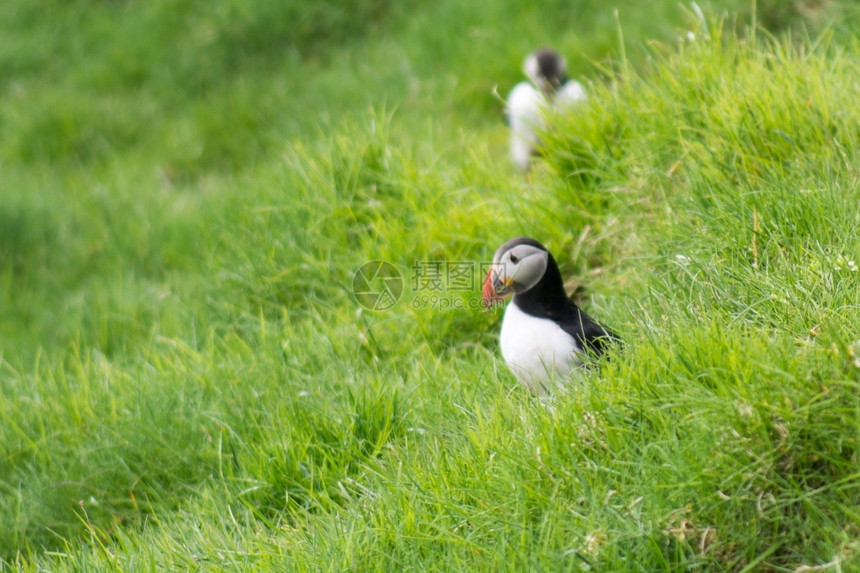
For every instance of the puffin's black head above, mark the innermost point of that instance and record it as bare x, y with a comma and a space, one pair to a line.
547, 69
520, 266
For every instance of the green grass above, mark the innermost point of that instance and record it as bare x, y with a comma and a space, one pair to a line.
188, 382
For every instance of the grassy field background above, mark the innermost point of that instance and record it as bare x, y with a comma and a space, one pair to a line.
188, 383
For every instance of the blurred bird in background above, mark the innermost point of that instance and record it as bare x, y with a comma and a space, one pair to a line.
528, 104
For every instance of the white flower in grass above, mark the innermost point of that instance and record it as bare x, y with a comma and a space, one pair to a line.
593, 542
744, 409
845, 264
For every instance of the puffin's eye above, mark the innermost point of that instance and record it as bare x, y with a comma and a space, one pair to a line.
514, 259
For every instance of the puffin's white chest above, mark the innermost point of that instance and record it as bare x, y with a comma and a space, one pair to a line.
536, 349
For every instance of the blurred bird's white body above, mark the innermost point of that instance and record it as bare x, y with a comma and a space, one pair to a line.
526, 107
569, 94
527, 111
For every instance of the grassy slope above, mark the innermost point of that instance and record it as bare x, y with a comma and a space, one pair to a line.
186, 381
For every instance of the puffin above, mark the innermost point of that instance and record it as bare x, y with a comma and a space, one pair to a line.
548, 89
544, 333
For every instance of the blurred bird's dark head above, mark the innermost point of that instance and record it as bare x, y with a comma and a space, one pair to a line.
547, 69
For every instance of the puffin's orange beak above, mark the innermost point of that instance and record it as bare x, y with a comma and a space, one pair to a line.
491, 297
489, 291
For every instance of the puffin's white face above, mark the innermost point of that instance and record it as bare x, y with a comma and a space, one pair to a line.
515, 270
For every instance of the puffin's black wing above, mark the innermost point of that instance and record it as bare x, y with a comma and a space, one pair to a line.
588, 334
